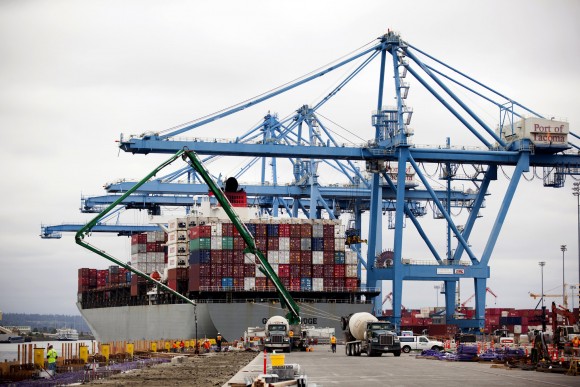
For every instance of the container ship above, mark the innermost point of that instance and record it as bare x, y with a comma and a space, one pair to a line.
202, 257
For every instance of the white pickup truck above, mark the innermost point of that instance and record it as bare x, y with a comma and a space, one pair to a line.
420, 343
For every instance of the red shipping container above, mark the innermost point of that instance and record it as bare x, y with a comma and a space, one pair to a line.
204, 270
238, 256
283, 271
339, 271
306, 230
328, 271
262, 243
294, 271
261, 230
227, 229
328, 245
216, 270
84, 272
328, 231
351, 283
295, 244
227, 270
285, 281
339, 282
239, 243
260, 282
306, 257
228, 256
317, 271
238, 271
328, 257
295, 284
138, 239
273, 243
284, 230
306, 270
328, 283
249, 270
295, 231
295, 257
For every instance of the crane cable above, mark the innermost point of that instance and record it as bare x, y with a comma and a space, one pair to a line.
266, 92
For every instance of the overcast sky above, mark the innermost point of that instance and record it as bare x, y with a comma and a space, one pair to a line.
74, 75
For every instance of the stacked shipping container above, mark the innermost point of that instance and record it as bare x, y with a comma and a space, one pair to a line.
89, 279
306, 256
148, 253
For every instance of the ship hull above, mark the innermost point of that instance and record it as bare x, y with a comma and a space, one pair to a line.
177, 321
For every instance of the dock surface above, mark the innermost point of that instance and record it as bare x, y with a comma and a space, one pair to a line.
324, 368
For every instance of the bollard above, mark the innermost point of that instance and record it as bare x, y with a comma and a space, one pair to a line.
105, 351
265, 360
39, 358
153, 346
84, 353
130, 349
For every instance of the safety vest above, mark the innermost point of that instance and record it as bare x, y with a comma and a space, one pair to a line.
291, 333
333, 340
219, 338
51, 355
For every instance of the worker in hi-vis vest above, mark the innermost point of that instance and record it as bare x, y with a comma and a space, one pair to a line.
333, 344
51, 355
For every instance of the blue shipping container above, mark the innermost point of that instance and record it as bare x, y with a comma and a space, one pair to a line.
305, 283
317, 244
227, 282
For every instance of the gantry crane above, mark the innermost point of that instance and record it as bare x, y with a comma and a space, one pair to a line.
305, 141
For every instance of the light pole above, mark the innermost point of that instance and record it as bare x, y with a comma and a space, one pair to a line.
572, 288
542, 264
564, 249
437, 287
576, 192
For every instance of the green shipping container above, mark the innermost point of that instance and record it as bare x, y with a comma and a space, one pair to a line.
200, 244
227, 243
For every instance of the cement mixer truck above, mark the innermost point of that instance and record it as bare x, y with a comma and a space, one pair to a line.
363, 332
277, 332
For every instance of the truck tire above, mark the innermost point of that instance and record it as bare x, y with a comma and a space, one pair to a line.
357, 350
437, 348
406, 349
397, 353
346, 349
349, 350
370, 352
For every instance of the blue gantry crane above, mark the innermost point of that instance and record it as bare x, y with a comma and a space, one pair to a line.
394, 177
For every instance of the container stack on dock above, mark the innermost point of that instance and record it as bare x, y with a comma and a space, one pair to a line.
148, 253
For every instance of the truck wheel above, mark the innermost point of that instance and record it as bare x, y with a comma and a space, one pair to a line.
406, 349
370, 352
358, 350
436, 348
397, 353
349, 350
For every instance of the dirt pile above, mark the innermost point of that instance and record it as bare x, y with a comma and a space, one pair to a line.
213, 369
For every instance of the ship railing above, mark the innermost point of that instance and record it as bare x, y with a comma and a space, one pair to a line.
337, 289
277, 300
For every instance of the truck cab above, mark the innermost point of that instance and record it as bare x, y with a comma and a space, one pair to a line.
277, 334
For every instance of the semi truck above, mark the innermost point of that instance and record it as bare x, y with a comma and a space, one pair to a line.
364, 333
277, 336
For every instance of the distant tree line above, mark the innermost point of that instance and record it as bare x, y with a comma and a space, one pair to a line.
45, 323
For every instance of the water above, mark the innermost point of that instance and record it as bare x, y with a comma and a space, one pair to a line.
9, 351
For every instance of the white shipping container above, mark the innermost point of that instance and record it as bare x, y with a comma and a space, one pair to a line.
338, 231
177, 236
216, 242
159, 258
284, 257
216, 230
317, 284
134, 259
275, 267
141, 266
259, 274
174, 262
249, 283
178, 249
160, 236
350, 271
151, 236
150, 257
273, 256
339, 244
317, 257
351, 257
250, 258
318, 230
284, 244
177, 224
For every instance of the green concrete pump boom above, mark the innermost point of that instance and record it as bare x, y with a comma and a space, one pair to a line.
80, 235
286, 300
